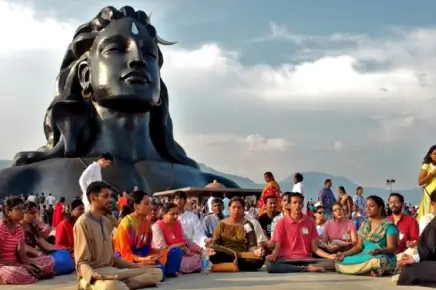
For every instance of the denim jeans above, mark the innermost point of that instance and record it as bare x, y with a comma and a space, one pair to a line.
282, 266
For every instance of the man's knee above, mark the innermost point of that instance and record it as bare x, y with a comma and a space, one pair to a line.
110, 285
150, 276
155, 274
272, 267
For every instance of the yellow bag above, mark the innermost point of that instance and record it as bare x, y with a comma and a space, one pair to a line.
225, 267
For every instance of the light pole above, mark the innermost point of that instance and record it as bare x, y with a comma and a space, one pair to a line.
389, 183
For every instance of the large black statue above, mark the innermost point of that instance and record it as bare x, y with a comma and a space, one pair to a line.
110, 98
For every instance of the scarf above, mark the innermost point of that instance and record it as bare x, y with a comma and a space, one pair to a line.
377, 234
172, 236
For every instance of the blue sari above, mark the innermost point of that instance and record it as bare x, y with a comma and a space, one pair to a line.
174, 259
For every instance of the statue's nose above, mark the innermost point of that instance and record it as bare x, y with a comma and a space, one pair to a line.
137, 64
137, 60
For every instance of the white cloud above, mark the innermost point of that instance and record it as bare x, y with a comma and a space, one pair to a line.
357, 90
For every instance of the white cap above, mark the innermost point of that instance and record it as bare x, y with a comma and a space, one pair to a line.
317, 204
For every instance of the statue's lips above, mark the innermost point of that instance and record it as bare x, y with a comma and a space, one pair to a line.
136, 77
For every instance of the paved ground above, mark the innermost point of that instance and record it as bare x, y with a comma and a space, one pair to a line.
244, 281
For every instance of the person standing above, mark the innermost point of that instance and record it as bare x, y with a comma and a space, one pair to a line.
50, 199
327, 198
41, 199
59, 211
427, 180
359, 201
31, 198
298, 183
226, 202
93, 173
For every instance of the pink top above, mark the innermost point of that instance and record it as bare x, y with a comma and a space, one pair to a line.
295, 237
9, 242
339, 230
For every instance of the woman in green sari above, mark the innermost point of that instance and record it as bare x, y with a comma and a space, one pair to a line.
374, 252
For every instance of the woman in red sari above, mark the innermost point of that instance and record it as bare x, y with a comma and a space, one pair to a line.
271, 188
168, 234
59, 211
15, 266
64, 230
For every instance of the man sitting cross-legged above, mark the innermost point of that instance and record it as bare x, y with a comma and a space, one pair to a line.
96, 266
296, 238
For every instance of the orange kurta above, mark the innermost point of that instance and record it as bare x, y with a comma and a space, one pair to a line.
133, 238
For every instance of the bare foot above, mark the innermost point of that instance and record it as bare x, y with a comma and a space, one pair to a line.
372, 274
313, 268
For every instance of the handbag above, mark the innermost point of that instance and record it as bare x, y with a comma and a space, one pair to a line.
229, 267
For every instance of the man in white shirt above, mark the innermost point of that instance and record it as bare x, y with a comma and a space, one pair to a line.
191, 224
31, 198
93, 173
50, 200
298, 183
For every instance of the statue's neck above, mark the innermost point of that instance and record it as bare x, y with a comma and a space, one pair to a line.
125, 136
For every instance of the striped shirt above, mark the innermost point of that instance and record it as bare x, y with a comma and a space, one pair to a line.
9, 242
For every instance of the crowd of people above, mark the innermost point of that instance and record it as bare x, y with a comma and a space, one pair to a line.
132, 240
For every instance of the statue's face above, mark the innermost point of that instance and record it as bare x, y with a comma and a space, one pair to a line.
124, 67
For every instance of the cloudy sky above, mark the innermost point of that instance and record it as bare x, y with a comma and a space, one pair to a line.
342, 87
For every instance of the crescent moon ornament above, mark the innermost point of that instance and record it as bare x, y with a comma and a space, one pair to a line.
164, 42
160, 40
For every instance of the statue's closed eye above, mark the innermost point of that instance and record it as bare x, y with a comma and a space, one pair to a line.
147, 53
114, 48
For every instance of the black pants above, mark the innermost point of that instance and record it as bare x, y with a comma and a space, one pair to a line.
419, 274
244, 265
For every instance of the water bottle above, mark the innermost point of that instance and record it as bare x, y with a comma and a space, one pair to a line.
205, 262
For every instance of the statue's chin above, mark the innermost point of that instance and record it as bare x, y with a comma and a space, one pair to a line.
128, 106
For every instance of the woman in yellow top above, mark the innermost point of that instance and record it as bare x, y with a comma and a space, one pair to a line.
427, 179
271, 188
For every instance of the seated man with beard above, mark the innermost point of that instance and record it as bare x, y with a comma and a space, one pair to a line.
96, 265
407, 226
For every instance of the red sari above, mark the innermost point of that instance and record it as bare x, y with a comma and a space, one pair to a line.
64, 235
272, 188
58, 214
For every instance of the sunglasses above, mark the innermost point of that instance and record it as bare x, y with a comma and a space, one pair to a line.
320, 212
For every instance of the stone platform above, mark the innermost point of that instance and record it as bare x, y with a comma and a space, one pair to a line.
244, 281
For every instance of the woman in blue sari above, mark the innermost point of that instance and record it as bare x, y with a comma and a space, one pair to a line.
133, 238
374, 252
